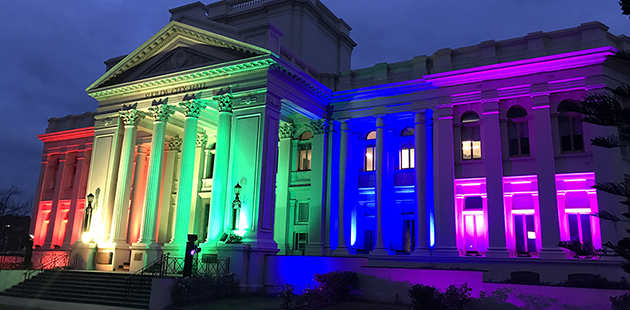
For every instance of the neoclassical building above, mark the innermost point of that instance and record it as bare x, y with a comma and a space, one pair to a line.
466, 156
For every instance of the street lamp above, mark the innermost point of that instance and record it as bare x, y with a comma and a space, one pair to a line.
236, 207
87, 218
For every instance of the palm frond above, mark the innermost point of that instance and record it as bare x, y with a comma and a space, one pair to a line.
609, 142
618, 189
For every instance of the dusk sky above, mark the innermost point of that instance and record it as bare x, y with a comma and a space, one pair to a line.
51, 51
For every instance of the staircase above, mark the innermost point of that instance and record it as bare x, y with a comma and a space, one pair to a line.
105, 288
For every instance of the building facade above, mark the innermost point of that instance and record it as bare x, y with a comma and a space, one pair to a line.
466, 156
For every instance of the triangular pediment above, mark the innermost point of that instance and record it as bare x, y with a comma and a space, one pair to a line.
176, 47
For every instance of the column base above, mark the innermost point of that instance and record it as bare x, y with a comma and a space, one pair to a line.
143, 255
119, 257
497, 253
82, 256
445, 252
552, 253
239, 260
421, 252
343, 251
175, 249
314, 250
379, 251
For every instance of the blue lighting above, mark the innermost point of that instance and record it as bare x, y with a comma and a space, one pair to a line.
430, 199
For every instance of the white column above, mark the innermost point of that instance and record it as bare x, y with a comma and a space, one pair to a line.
280, 231
192, 108
318, 187
137, 196
160, 115
74, 214
379, 248
130, 119
198, 211
422, 220
445, 241
219, 204
54, 209
342, 248
546, 170
491, 153
167, 214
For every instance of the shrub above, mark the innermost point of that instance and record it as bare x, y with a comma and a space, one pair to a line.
286, 296
204, 288
335, 286
621, 302
429, 298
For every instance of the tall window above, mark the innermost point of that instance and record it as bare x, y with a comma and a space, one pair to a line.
518, 132
302, 212
300, 241
471, 138
570, 128
407, 152
370, 152
304, 151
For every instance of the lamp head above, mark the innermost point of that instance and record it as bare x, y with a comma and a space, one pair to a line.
90, 198
237, 189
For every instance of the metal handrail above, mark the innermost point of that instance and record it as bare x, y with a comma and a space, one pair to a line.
52, 264
151, 270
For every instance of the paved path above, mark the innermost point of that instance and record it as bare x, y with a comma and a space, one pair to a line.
25, 303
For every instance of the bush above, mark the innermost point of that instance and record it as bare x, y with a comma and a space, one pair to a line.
621, 302
286, 295
204, 288
429, 298
336, 286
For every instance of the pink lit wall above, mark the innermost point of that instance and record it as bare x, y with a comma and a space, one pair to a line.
471, 225
520, 197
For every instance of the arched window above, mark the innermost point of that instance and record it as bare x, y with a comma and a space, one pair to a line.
304, 151
407, 152
370, 152
518, 131
471, 136
570, 127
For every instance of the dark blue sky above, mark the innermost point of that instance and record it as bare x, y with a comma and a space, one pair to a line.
50, 51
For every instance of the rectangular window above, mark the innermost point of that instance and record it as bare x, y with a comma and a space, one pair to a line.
580, 228
518, 138
525, 234
304, 157
571, 138
407, 157
300, 240
302, 212
409, 235
471, 143
370, 152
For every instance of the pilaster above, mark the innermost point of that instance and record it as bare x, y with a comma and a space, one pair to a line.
54, 221
445, 241
75, 214
546, 171
317, 203
136, 211
491, 153
283, 178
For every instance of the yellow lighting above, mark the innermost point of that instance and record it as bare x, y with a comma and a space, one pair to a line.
531, 235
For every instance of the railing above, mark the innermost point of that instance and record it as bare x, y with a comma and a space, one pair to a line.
48, 261
246, 4
135, 281
174, 266
11, 261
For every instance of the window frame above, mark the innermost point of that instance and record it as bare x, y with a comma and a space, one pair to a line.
518, 122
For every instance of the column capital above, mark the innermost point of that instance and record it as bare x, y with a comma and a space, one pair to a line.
175, 143
286, 130
380, 122
320, 126
420, 117
224, 100
192, 105
202, 140
130, 115
160, 110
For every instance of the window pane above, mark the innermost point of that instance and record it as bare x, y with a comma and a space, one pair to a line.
307, 166
465, 134
565, 141
303, 209
369, 158
412, 158
476, 149
404, 159
573, 227
525, 146
466, 149
586, 229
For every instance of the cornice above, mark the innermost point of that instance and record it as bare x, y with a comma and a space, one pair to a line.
302, 78
523, 67
167, 35
197, 75
87, 132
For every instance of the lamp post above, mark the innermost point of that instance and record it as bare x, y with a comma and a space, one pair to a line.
236, 207
87, 218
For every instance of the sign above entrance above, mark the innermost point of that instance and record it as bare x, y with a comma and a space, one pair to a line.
176, 90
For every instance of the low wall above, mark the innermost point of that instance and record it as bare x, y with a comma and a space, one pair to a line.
389, 285
9, 278
161, 293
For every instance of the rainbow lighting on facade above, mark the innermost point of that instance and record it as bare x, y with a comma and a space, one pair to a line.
464, 155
